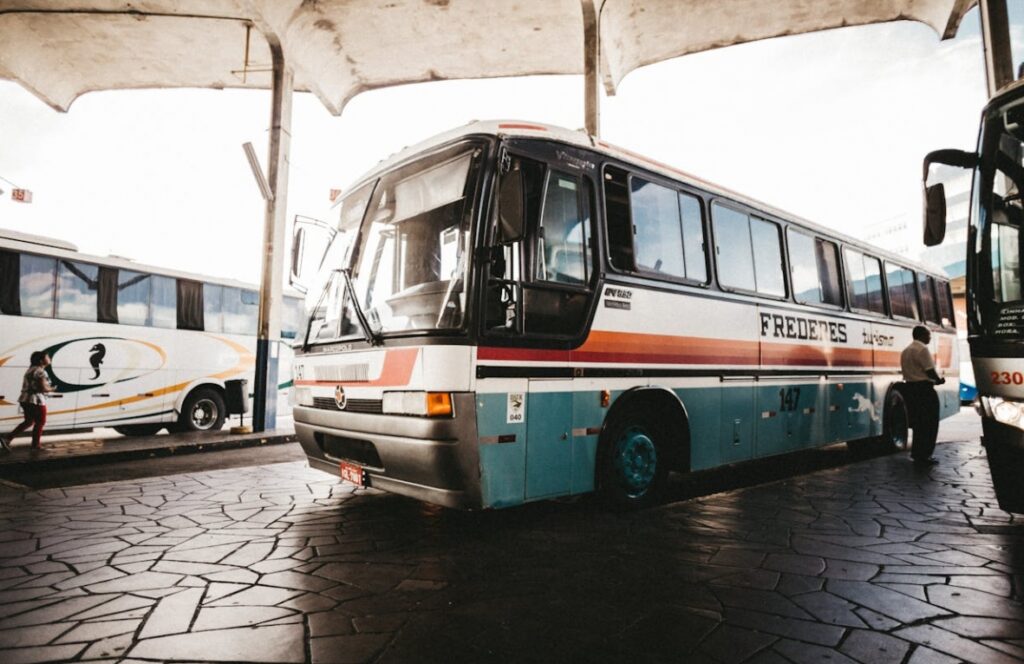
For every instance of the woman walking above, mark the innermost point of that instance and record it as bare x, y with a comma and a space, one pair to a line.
34, 387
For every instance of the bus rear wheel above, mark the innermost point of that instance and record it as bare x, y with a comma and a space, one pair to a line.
633, 463
203, 411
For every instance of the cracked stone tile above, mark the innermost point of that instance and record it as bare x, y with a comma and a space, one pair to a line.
257, 596
347, 649
874, 647
995, 585
829, 609
887, 602
113, 646
802, 630
115, 605
55, 612
275, 643
974, 602
172, 614
329, 623
237, 616
803, 653
61, 653
734, 644
980, 628
94, 631
917, 592
951, 644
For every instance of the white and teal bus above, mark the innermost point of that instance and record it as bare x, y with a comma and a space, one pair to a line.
134, 347
513, 312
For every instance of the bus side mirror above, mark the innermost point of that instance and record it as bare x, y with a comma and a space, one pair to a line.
310, 240
935, 195
510, 207
934, 214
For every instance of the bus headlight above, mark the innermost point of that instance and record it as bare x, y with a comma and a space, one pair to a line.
1006, 412
424, 404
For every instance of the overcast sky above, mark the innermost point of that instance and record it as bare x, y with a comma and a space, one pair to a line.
831, 126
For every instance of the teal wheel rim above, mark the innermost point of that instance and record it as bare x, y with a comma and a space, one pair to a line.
635, 461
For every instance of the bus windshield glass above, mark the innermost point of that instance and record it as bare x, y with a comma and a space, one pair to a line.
998, 215
405, 239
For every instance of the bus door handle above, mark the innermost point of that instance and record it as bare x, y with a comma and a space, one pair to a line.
101, 396
55, 396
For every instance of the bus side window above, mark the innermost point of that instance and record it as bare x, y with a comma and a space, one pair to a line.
133, 294
291, 317
732, 247
767, 249
925, 286
814, 270
76, 292
164, 303
945, 298
10, 272
190, 305
864, 282
901, 291
213, 304
618, 218
564, 238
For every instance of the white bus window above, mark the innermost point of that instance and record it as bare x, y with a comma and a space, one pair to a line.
36, 285
240, 311
732, 247
9, 304
767, 244
693, 238
659, 232
77, 284
133, 292
929, 311
563, 253
213, 302
814, 269
164, 302
902, 298
618, 220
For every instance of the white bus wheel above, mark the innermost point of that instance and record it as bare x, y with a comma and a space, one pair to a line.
203, 411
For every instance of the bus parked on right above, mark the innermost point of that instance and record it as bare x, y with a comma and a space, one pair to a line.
995, 305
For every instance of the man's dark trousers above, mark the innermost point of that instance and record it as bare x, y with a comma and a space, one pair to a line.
923, 404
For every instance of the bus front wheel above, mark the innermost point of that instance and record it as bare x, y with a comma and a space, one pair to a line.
633, 463
203, 411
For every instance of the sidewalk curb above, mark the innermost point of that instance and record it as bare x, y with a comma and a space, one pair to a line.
12, 464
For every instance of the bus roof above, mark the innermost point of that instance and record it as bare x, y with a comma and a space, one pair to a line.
526, 129
39, 244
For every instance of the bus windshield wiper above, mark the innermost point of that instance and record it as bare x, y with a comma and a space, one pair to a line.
372, 337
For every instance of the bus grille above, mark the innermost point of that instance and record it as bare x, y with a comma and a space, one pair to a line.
375, 406
344, 448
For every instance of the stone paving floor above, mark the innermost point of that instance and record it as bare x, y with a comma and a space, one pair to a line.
874, 562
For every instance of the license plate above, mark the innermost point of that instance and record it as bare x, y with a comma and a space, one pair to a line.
352, 473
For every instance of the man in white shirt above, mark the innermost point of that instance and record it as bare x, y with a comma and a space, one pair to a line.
920, 379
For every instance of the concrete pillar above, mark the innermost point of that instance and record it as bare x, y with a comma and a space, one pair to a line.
268, 339
591, 68
995, 32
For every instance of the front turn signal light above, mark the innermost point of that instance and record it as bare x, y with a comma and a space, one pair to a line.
439, 404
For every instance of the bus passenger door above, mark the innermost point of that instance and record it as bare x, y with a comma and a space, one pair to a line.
549, 441
737, 433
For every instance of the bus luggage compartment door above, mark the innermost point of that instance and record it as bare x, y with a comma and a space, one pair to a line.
549, 441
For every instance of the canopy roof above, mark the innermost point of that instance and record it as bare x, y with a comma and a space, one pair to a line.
60, 49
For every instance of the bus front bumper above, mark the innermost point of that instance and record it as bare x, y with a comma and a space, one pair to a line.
1004, 447
431, 459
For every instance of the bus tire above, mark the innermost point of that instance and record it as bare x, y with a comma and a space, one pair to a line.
633, 461
139, 429
203, 410
895, 423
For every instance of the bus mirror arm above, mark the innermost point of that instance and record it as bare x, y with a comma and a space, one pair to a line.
935, 195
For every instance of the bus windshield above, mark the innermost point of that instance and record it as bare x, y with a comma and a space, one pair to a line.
404, 238
999, 213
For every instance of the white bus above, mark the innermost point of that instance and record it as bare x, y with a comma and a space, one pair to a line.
134, 347
515, 312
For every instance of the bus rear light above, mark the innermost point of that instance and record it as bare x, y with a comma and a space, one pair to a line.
424, 404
